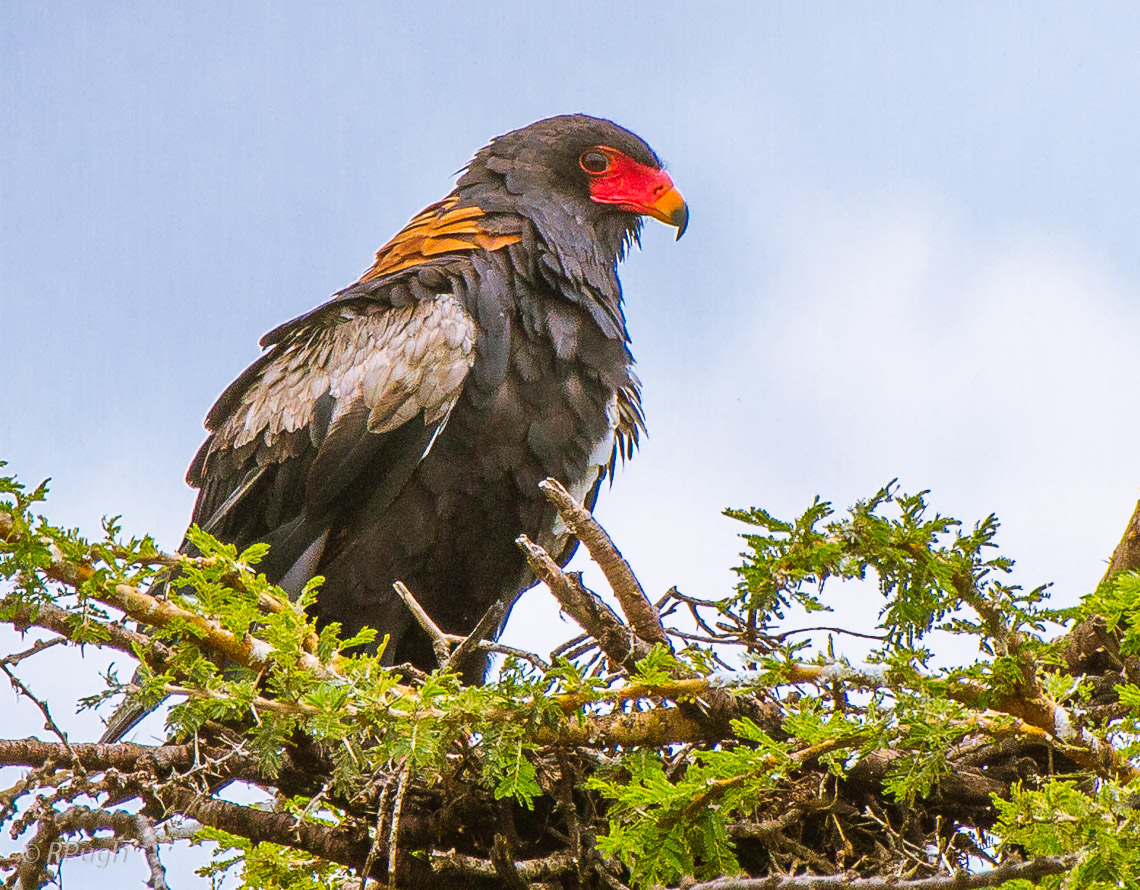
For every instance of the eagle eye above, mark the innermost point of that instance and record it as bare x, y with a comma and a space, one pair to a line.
594, 162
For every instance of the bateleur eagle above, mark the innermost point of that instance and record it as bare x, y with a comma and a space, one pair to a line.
400, 430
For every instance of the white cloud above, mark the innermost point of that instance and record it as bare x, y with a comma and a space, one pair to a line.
987, 367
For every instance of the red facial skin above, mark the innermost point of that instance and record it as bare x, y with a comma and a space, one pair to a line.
636, 187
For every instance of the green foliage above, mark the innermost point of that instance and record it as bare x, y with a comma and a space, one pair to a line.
1117, 601
269, 866
649, 812
927, 566
665, 811
1101, 828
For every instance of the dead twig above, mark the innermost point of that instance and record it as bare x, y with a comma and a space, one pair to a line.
394, 831
439, 641
377, 835
38, 646
639, 611
501, 649
1033, 870
622, 647
147, 839
49, 723
484, 630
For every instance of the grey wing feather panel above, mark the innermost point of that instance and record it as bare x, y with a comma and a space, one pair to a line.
396, 362
378, 364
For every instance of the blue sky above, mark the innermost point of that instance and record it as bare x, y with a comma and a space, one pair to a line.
913, 248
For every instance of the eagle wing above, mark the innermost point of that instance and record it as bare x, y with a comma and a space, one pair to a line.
358, 388
347, 400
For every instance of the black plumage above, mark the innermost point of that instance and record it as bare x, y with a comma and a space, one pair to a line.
399, 431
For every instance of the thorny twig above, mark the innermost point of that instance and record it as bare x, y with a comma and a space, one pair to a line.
38, 646
49, 723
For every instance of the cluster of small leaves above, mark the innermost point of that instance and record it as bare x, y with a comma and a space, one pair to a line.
34, 543
931, 572
1099, 827
1117, 601
269, 866
365, 716
1095, 821
927, 730
927, 566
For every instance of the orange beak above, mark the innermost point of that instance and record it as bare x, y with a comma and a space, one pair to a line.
669, 207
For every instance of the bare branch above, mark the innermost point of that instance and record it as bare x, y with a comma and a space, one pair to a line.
484, 630
782, 635
374, 850
144, 831
531, 870
1126, 556
344, 846
394, 831
622, 647
49, 723
439, 640
538, 661
639, 611
1033, 870
503, 859
38, 646
572, 645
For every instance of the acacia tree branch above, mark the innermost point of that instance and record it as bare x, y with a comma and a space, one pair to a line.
43, 851
343, 846
148, 840
482, 635
111, 635
32, 867
1092, 636
501, 649
658, 724
160, 762
49, 723
530, 870
394, 827
247, 651
639, 611
1032, 870
717, 788
622, 647
1040, 717
38, 646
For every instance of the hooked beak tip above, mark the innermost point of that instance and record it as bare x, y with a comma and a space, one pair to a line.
680, 219
671, 209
